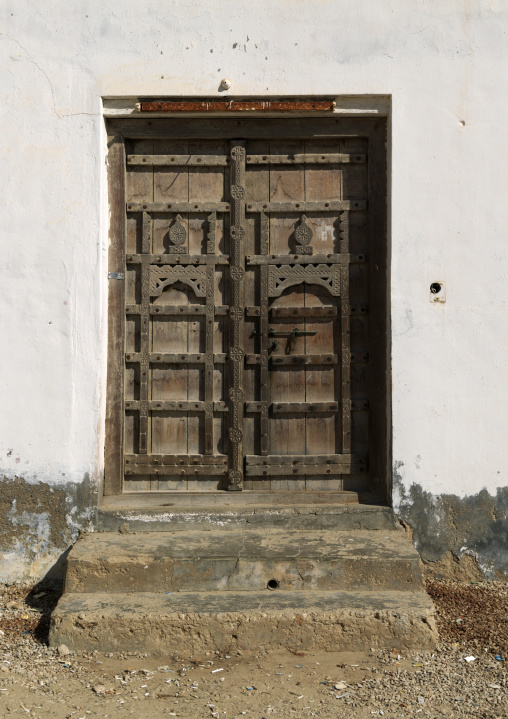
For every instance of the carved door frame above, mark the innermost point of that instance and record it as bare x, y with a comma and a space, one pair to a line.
202, 128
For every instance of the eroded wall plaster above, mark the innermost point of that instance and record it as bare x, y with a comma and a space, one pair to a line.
461, 537
39, 523
444, 66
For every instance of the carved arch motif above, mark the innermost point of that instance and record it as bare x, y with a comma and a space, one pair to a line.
162, 277
280, 277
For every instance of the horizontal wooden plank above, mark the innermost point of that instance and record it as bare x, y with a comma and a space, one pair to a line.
251, 359
345, 259
314, 465
305, 360
304, 407
275, 470
308, 158
319, 128
175, 259
282, 313
179, 160
177, 207
331, 206
178, 106
176, 470
288, 313
176, 405
355, 358
356, 405
296, 459
173, 310
176, 459
167, 358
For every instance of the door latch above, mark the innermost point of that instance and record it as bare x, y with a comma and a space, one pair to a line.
292, 336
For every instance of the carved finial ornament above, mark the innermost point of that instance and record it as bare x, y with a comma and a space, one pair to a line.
177, 233
303, 235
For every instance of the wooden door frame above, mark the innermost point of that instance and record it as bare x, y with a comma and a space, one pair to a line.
284, 127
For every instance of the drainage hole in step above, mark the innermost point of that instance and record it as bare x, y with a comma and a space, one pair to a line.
273, 584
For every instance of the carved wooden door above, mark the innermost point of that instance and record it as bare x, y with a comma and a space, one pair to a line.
246, 329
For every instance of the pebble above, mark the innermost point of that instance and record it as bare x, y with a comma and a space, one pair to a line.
63, 650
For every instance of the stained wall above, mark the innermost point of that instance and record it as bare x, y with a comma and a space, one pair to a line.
442, 64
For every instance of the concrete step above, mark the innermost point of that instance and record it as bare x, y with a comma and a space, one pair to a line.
188, 624
163, 512
247, 560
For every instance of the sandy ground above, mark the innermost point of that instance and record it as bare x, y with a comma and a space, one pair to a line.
473, 620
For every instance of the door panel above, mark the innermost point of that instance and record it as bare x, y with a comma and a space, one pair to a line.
247, 342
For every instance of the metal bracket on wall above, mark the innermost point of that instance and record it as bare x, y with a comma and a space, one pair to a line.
116, 276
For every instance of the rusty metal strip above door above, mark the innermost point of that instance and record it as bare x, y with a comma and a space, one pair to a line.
236, 105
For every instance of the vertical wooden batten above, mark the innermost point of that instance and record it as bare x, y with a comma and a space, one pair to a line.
114, 434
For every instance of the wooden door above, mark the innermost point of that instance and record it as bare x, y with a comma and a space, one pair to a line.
247, 346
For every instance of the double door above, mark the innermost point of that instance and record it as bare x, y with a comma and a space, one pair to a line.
247, 314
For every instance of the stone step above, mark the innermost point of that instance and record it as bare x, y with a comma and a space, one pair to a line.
188, 624
247, 560
161, 513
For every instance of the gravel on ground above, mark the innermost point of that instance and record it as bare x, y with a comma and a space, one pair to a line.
464, 677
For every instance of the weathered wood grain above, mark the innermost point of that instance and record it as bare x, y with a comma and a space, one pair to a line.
114, 439
139, 185
287, 189
170, 334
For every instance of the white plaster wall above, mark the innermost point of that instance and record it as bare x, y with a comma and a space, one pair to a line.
444, 62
